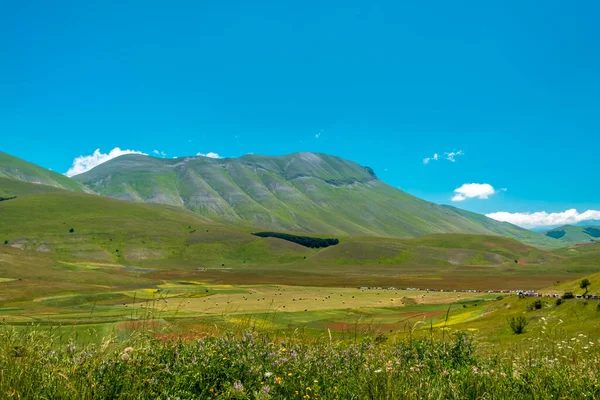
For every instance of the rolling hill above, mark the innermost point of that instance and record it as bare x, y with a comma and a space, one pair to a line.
575, 234
98, 228
18, 169
300, 192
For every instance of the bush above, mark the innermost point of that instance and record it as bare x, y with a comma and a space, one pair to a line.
6, 242
71, 230
518, 324
536, 305
559, 302
568, 295
598, 307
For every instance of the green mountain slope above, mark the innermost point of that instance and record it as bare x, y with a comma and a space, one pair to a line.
18, 169
85, 226
301, 192
575, 234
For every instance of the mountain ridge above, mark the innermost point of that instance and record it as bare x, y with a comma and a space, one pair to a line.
302, 192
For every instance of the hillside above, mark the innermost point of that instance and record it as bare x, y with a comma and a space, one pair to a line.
575, 234
18, 169
104, 229
301, 192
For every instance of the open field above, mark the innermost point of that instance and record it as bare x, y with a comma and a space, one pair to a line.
86, 272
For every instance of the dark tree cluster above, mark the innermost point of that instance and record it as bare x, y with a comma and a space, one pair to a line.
7, 198
593, 232
556, 234
305, 241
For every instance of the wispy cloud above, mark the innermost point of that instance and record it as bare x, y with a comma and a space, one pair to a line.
473, 191
449, 156
209, 155
318, 135
453, 154
435, 157
160, 153
82, 164
542, 218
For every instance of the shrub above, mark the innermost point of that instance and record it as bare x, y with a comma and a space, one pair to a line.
598, 307
518, 324
71, 230
536, 305
568, 295
559, 301
6, 242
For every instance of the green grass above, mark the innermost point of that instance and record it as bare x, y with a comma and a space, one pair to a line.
21, 170
245, 364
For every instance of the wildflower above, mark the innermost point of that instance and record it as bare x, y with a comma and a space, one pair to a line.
266, 388
125, 357
290, 374
128, 350
268, 374
278, 380
377, 371
283, 350
238, 386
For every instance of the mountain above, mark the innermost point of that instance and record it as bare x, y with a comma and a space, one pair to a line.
300, 192
575, 234
73, 226
18, 169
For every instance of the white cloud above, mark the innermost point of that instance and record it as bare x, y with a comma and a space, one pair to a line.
318, 135
473, 190
160, 153
82, 164
453, 154
542, 218
209, 155
435, 157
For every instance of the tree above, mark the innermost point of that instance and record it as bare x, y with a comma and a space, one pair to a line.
584, 284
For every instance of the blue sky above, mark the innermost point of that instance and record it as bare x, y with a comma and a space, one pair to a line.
512, 86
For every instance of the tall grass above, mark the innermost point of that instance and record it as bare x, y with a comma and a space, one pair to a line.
249, 365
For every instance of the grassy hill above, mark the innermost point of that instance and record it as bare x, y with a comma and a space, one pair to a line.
170, 243
575, 234
18, 169
303, 192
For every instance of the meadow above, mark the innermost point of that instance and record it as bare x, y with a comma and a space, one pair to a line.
210, 310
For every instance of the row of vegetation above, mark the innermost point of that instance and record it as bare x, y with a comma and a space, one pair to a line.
258, 366
305, 241
7, 198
